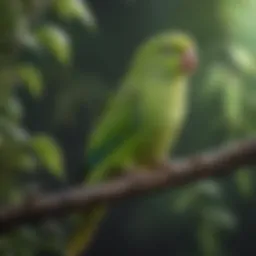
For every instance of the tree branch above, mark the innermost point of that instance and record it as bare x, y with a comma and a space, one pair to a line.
216, 163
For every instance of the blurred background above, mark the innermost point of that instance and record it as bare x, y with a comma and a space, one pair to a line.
60, 60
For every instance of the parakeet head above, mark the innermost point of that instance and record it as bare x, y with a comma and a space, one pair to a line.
167, 54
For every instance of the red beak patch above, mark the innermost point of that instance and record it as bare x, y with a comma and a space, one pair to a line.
189, 61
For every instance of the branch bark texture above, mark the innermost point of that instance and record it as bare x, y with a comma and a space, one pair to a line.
221, 161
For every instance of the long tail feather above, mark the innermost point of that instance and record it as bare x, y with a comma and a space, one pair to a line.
85, 232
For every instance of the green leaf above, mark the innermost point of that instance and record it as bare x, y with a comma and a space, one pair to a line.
189, 198
232, 97
25, 36
27, 162
56, 41
243, 59
244, 182
8, 78
209, 189
49, 153
13, 109
220, 217
186, 199
13, 133
214, 78
208, 241
76, 9
32, 78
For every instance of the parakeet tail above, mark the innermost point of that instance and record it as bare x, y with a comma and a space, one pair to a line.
85, 232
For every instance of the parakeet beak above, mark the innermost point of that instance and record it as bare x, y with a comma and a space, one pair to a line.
189, 60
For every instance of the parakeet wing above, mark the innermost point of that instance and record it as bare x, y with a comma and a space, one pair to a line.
109, 143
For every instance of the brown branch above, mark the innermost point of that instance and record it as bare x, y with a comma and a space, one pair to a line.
216, 163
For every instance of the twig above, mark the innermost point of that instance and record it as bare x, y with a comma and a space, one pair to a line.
216, 163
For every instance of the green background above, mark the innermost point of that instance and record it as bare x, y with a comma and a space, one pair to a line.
59, 63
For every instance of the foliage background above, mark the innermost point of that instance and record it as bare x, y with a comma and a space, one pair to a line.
59, 62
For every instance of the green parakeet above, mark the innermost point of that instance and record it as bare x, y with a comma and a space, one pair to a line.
143, 121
